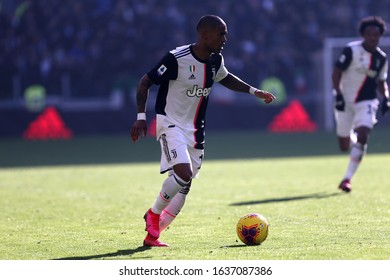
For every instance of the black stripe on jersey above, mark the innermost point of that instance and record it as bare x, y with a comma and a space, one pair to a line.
182, 53
170, 73
211, 68
347, 58
368, 89
185, 189
200, 123
165, 147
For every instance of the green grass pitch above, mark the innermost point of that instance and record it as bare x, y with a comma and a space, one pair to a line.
85, 198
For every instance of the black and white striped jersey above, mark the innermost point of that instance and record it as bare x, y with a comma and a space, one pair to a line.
185, 83
361, 71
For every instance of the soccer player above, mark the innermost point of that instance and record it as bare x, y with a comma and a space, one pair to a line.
359, 72
185, 76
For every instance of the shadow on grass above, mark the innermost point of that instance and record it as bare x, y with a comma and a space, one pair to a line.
118, 253
234, 246
285, 199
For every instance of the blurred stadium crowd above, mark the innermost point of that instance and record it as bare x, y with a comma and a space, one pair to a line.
90, 47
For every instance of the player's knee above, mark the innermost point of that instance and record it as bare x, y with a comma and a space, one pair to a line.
184, 177
184, 180
183, 172
363, 134
363, 139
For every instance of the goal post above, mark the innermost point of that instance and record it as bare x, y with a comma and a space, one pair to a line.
332, 48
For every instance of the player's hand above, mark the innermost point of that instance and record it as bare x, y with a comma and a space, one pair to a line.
385, 106
139, 128
340, 102
265, 95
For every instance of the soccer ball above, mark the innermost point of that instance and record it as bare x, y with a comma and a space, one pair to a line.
252, 229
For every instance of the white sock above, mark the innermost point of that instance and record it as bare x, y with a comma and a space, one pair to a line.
172, 210
169, 189
356, 155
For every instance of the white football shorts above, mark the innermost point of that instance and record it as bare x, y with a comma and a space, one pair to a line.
355, 115
175, 149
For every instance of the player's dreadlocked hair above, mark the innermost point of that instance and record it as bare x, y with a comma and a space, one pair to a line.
372, 21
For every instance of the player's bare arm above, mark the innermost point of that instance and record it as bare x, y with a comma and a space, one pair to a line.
383, 89
140, 126
234, 83
336, 78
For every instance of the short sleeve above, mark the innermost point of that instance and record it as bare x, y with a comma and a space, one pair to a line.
222, 71
165, 70
383, 73
344, 59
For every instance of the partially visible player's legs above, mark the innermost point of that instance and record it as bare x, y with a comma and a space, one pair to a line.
346, 143
356, 154
174, 207
352, 139
344, 123
170, 188
176, 160
350, 144
177, 203
153, 242
346, 136
364, 119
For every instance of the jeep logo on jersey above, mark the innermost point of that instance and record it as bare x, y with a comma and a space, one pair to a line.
198, 91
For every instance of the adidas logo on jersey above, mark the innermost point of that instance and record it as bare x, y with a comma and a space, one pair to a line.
192, 77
